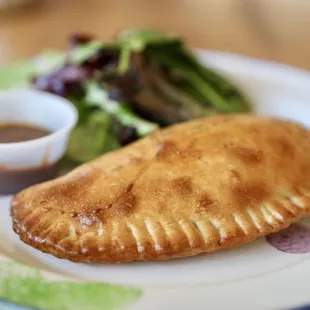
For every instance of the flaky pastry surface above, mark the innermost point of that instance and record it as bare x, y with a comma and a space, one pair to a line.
201, 186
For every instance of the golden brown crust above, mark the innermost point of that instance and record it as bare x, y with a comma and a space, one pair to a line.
197, 187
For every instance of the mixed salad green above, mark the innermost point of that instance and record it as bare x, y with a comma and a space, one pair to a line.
126, 88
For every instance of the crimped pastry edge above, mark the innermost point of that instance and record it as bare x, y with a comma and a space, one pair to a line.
203, 235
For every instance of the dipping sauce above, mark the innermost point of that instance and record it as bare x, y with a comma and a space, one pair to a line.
10, 132
14, 180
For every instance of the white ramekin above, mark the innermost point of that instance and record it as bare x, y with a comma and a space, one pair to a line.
43, 110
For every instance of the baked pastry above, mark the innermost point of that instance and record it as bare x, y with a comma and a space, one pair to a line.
196, 187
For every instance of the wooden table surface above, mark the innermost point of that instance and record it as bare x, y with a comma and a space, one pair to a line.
269, 29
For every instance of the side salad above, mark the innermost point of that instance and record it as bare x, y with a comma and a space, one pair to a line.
126, 88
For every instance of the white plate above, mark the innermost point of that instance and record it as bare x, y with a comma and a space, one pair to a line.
255, 276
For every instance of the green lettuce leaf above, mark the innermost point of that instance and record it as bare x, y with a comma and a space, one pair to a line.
20, 73
137, 39
86, 51
16, 75
92, 138
98, 96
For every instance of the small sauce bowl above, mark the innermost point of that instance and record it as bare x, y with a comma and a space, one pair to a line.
23, 164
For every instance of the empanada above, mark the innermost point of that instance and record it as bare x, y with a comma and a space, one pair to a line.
201, 186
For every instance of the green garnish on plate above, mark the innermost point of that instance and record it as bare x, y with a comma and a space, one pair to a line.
126, 88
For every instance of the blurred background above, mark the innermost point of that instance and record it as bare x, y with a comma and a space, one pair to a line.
268, 29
